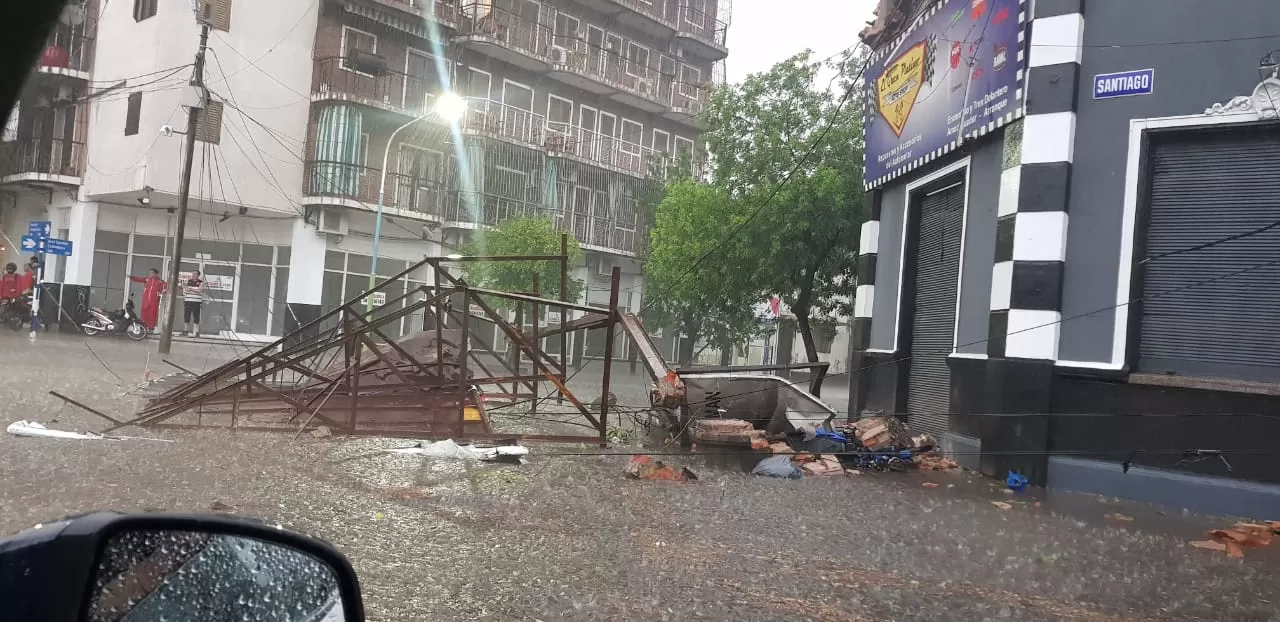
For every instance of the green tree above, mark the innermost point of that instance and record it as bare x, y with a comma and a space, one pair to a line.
803, 243
713, 299
532, 235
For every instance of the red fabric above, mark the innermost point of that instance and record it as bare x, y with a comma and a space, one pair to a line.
28, 279
153, 287
10, 286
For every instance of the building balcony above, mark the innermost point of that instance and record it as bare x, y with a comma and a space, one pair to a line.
362, 81
649, 16
68, 52
687, 103
474, 210
498, 121
504, 35
41, 160
443, 12
356, 187
588, 147
702, 32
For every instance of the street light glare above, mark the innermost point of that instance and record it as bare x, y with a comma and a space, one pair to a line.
450, 106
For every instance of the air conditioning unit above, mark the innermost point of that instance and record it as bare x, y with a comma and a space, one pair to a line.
559, 55
332, 220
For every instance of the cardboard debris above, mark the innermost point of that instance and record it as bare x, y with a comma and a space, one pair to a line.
645, 467
728, 432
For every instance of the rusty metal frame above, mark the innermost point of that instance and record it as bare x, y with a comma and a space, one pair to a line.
394, 392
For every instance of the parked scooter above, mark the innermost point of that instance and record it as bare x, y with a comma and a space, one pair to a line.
124, 321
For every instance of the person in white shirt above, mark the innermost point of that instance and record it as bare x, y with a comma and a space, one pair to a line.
192, 298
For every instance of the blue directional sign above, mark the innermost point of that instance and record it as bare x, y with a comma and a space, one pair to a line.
1124, 84
54, 246
40, 228
30, 243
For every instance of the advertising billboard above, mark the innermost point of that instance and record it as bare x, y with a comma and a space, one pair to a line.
954, 75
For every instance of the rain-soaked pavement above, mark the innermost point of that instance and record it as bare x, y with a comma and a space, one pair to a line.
567, 537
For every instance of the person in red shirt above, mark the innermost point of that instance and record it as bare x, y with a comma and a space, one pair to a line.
10, 283
153, 287
28, 279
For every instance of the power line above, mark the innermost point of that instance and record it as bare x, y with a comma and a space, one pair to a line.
273, 46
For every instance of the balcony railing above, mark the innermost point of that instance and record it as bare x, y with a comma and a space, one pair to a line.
703, 26
511, 30
41, 156
597, 148
444, 11
650, 8
339, 77
357, 183
67, 48
502, 121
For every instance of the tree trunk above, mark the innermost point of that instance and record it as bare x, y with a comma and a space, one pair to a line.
801, 311
685, 356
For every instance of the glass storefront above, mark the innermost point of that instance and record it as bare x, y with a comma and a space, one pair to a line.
346, 275
246, 282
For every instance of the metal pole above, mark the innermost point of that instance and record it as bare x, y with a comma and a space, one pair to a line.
464, 383
564, 311
184, 195
614, 281
533, 337
35, 290
377, 220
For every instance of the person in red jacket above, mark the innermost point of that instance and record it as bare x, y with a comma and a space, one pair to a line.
153, 287
10, 283
28, 278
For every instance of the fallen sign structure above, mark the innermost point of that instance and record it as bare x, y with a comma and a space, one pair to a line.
344, 372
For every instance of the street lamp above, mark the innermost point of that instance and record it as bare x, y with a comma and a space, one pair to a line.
450, 108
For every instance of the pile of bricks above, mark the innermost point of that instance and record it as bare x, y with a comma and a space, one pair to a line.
734, 432
881, 433
809, 463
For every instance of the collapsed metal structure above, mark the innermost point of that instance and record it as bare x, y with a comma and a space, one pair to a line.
343, 371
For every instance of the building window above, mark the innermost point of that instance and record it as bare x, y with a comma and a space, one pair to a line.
217, 13
637, 59
209, 123
661, 141
354, 41
363, 150
690, 77
695, 12
132, 114
142, 9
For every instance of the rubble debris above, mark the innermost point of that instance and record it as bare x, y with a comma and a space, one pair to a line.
1241, 536
778, 466
645, 467
884, 432
823, 466
929, 485
736, 432
322, 432
1119, 517
1002, 505
933, 461
449, 449
218, 506
779, 448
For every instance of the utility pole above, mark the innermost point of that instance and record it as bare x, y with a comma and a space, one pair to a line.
184, 191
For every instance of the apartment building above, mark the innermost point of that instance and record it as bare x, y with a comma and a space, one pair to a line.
574, 110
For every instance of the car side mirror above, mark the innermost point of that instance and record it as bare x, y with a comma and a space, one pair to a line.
109, 567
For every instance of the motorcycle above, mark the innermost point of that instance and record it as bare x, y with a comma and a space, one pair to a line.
124, 321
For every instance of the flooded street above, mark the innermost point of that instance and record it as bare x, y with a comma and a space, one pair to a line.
568, 537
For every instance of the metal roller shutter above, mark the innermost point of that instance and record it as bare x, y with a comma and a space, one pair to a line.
1206, 187
933, 322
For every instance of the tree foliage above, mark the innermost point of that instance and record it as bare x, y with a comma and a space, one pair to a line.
711, 300
533, 235
798, 235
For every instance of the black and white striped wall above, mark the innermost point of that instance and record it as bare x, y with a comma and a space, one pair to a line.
865, 294
1031, 229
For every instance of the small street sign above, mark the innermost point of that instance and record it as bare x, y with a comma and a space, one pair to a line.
1124, 84
54, 246
40, 228
30, 243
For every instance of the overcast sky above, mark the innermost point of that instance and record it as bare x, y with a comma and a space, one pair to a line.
764, 32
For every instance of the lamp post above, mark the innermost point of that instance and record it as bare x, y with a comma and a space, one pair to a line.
450, 108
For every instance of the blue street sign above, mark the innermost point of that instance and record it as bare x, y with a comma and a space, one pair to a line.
40, 228
1124, 83
30, 243
54, 246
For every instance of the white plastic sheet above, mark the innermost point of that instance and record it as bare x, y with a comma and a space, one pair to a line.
34, 429
450, 449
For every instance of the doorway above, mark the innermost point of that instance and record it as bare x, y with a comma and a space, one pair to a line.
939, 217
218, 312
